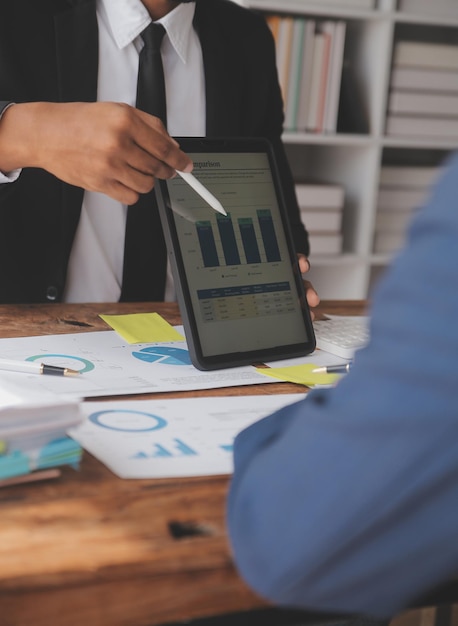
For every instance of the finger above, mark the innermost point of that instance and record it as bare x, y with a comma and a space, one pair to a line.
304, 263
313, 298
134, 174
121, 192
147, 166
155, 141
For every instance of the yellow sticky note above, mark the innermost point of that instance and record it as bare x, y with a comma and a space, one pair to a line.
300, 374
142, 327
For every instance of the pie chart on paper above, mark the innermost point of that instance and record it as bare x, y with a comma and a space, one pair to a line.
164, 355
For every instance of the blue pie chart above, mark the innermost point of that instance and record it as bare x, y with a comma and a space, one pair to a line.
165, 355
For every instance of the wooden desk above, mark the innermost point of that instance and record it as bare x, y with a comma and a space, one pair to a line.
95, 550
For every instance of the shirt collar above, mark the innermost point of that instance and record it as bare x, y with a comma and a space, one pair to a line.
128, 18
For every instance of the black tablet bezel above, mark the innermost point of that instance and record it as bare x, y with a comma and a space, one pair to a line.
205, 145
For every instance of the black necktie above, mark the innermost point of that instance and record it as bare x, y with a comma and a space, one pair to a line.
145, 258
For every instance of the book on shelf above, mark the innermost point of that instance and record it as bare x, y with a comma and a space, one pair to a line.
421, 103
393, 221
408, 176
305, 84
273, 21
325, 243
328, 56
283, 52
319, 71
391, 229
321, 207
422, 127
316, 196
309, 57
403, 189
295, 72
425, 54
328, 28
334, 77
400, 198
424, 79
388, 242
322, 220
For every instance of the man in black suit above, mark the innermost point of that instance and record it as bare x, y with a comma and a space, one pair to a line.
73, 145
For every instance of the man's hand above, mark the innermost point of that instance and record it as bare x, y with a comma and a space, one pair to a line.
313, 298
107, 147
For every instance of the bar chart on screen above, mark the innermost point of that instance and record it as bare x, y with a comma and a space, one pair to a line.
231, 240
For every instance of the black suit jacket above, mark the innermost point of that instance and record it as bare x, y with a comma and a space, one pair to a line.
48, 52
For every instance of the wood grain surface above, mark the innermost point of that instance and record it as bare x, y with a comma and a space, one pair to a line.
92, 549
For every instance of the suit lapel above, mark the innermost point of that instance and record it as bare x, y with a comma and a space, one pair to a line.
221, 79
77, 66
77, 52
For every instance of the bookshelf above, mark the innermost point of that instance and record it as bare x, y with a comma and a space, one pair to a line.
357, 155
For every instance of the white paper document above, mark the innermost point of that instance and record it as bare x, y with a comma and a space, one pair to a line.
171, 438
110, 366
318, 358
27, 414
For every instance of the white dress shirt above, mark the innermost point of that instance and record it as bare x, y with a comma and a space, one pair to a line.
96, 260
8, 177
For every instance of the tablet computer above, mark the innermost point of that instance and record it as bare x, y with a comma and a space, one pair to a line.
237, 279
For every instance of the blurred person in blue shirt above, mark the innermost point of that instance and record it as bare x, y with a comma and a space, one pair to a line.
347, 501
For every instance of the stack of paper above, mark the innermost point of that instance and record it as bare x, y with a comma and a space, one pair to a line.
321, 207
423, 100
403, 189
33, 430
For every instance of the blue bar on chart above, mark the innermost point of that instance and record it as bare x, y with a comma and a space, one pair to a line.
207, 243
250, 245
228, 241
268, 235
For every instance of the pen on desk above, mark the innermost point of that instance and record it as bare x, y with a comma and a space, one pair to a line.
30, 367
333, 369
202, 191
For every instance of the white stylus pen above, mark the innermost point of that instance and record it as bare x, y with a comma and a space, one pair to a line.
202, 191
30, 367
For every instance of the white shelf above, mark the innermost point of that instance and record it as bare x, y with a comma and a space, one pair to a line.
423, 18
420, 144
312, 8
355, 160
329, 140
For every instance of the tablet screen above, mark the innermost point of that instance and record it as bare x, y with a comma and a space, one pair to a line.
239, 273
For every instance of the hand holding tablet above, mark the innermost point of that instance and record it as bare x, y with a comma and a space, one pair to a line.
238, 283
